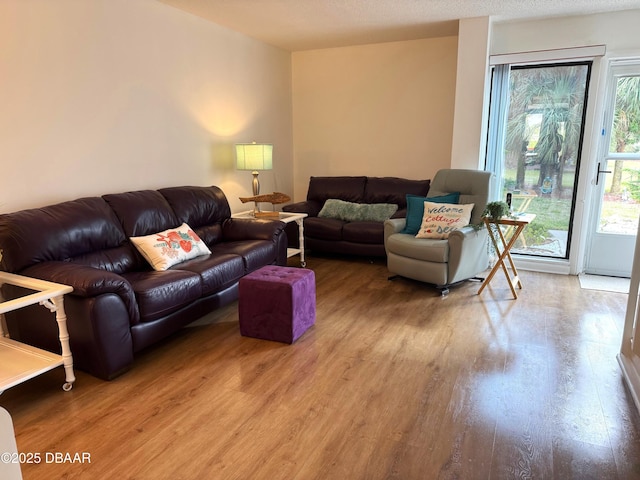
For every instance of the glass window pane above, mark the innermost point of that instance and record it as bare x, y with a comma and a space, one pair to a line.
625, 131
543, 135
621, 200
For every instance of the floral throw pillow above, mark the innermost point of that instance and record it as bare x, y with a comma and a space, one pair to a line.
175, 245
440, 219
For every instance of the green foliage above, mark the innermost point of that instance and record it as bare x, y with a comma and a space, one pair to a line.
496, 210
535, 233
626, 118
632, 183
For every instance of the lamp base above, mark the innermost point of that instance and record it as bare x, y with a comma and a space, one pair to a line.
256, 190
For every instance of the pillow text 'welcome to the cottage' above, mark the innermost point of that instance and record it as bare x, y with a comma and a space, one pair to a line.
440, 219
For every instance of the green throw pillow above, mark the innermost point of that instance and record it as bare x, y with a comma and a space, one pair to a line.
415, 209
357, 212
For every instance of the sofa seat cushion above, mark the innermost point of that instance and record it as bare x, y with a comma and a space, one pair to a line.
217, 272
426, 249
363, 232
254, 253
161, 293
324, 228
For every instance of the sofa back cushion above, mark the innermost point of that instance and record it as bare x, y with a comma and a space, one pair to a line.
202, 208
143, 212
393, 190
83, 230
349, 189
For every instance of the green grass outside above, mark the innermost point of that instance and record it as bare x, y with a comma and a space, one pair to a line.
551, 213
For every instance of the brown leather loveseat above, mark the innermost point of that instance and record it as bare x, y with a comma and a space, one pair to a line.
352, 237
120, 305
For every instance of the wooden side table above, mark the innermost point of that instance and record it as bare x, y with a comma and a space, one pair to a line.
503, 244
20, 362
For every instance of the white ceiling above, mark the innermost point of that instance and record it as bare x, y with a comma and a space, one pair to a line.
310, 24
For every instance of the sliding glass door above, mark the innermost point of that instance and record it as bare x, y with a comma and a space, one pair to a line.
535, 141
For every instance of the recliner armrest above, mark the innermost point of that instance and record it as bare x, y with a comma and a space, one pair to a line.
468, 253
393, 225
465, 232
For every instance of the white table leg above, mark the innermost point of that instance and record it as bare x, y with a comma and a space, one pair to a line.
300, 223
57, 305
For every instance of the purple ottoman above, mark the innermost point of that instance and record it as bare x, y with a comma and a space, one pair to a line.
277, 303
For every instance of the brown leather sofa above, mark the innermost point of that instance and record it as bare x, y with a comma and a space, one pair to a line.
365, 238
119, 304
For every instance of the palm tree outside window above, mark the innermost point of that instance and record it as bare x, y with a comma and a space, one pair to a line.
537, 126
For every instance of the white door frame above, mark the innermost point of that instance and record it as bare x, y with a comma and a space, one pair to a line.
594, 241
577, 253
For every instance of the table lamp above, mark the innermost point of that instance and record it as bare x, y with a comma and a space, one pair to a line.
254, 156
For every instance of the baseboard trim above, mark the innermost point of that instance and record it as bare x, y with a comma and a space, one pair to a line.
631, 377
542, 265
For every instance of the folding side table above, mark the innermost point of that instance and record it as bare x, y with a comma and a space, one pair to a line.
503, 245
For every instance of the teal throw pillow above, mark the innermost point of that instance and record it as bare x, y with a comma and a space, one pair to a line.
357, 212
415, 209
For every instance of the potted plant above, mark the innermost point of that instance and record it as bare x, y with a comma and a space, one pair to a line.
496, 210
493, 212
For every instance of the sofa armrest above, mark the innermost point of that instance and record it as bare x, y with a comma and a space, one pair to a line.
87, 282
234, 229
310, 207
468, 253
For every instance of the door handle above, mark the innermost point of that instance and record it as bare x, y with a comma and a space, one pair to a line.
599, 172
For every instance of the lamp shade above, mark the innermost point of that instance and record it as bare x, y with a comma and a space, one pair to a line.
254, 156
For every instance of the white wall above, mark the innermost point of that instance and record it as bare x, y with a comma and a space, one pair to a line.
106, 96
379, 110
618, 30
472, 94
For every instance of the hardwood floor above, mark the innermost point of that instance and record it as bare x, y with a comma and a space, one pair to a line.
393, 382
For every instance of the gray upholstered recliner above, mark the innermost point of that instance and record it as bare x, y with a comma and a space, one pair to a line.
443, 262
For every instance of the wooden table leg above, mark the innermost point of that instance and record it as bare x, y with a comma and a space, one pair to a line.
507, 253
502, 254
498, 263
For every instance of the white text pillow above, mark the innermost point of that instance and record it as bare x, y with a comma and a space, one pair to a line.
440, 219
165, 249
